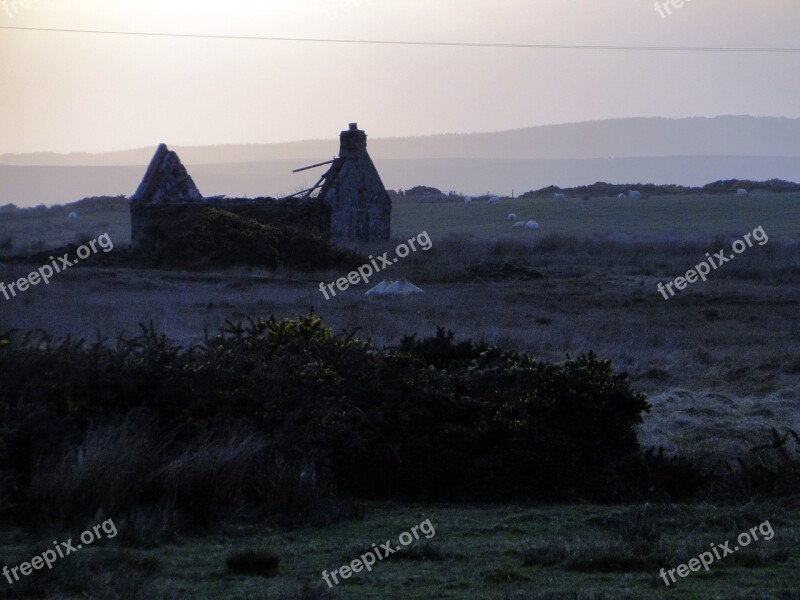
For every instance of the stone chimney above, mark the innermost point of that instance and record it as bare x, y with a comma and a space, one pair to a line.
352, 141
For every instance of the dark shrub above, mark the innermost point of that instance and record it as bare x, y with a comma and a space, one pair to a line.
263, 420
218, 237
253, 562
772, 470
674, 478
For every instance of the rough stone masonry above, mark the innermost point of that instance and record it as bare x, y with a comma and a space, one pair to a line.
360, 205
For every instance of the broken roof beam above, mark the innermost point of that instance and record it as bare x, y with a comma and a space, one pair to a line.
308, 191
327, 162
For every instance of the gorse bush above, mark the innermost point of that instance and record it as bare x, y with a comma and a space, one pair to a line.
265, 420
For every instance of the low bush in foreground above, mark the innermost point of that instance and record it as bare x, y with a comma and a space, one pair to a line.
275, 420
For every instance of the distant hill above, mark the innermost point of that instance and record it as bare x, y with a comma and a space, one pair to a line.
691, 151
614, 138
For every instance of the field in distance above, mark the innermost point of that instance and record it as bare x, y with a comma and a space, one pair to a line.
698, 215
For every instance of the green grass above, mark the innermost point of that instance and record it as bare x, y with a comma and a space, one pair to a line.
491, 552
31, 230
779, 214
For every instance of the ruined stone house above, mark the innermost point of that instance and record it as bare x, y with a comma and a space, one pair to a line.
352, 203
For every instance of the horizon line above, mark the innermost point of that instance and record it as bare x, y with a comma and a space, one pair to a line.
391, 137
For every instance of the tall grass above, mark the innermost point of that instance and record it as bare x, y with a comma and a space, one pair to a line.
156, 482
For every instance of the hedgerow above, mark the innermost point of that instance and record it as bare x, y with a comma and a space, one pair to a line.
427, 419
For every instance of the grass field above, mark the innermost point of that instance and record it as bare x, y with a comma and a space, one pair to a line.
33, 230
659, 215
718, 362
481, 553
667, 216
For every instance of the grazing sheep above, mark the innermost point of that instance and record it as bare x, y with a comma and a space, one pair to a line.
621, 197
559, 197
741, 192
494, 200
73, 216
467, 199
520, 224
512, 217
634, 194
532, 225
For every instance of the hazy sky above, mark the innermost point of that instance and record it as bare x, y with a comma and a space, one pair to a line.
78, 92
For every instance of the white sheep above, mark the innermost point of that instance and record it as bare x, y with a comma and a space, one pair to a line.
532, 225
741, 192
73, 216
520, 225
621, 197
512, 217
467, 199
559, 197
634, 194
494, 200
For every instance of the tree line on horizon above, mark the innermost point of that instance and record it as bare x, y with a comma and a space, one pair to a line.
603, 189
